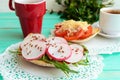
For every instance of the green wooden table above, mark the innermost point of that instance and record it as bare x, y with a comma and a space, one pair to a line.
10, 33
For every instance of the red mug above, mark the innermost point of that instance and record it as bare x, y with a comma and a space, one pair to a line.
30, 13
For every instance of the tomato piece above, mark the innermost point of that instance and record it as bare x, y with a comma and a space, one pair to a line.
70, 38
87, 33
60, 34
79, 33
75, 36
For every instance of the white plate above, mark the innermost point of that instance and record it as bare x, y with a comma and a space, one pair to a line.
13, 67
101, 33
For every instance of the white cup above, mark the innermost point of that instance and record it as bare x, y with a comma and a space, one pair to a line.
109, 20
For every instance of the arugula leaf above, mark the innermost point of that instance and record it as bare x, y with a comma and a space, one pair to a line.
84, 62
60, 65
86, 51
16, 51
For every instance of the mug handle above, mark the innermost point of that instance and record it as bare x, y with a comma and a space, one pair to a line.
11, 5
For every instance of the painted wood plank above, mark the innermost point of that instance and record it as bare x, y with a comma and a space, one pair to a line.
6, 15
10, 20
112, 62
109, 75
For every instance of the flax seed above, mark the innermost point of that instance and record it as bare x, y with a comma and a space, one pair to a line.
77, 50
35, 45
40, 48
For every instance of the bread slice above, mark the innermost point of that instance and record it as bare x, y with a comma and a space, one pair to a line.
41, 63
38, 62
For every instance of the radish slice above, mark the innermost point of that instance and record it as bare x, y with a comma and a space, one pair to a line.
32, 37
54, 40
59, 52
34, 50
77, 53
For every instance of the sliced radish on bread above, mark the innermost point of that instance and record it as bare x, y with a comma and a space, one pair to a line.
53, 40
59, 52
34, 46
32, 37
34, 50
77, 53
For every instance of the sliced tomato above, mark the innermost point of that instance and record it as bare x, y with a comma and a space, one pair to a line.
87, 33
75, 36
70, 38
60, 34
81, 34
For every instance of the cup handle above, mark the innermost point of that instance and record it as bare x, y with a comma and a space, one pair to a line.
11, 5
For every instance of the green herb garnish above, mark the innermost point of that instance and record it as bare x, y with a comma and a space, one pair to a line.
16, 51
83, 10
60, 65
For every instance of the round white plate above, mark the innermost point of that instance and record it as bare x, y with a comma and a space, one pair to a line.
101, 33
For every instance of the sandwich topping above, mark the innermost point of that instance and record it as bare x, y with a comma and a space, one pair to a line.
73, 30
53, 50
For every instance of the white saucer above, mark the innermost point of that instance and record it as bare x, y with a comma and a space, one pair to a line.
108, 35
101, 33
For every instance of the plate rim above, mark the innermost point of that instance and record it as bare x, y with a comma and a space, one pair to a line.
96, 24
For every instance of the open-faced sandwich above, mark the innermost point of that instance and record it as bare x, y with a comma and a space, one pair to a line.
52, 52
75, 31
